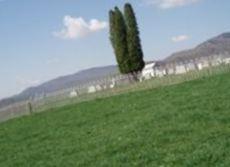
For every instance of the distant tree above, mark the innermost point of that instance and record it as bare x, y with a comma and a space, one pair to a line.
133, 41
118, 39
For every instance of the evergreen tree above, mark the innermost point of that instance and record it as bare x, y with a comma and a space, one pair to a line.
112, 30
124, 36
118, 39
133, 41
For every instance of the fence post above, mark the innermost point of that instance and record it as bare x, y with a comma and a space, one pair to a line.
30, 107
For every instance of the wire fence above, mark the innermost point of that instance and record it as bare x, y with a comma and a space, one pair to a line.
102, 88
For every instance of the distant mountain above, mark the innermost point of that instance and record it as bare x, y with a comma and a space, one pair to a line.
60, 83
219, 45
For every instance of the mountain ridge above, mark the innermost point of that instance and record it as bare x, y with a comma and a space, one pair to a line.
214, 46
217, 45
62, 82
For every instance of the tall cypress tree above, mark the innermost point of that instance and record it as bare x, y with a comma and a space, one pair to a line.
133, 41
112, 30
118, 39
124, 36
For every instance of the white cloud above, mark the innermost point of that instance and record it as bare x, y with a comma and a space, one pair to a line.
167, 4
180, 38
78, 27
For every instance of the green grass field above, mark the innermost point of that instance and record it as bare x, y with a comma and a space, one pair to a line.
179, 125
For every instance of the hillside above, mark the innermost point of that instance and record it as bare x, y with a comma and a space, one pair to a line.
219, 45
180, 125
60, 83
216, 45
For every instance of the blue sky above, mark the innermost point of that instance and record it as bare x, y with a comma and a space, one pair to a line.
44, 39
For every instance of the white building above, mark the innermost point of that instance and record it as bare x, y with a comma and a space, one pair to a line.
199, 66
216, 60
170, 70
220, 60
226, 60
160, 72
191, 66
94, 88
113, 84
161, 68
205, 64
99, 88
73, 94
148, 71
180, 69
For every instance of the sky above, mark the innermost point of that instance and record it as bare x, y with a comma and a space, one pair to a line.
44, 39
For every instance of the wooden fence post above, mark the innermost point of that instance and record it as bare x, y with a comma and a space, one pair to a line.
30, 108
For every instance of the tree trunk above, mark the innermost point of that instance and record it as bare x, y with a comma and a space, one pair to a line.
135, 76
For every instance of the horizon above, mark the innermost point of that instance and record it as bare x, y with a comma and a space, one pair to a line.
90, 68
44, 41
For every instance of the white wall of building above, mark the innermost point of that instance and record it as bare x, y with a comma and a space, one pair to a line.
180, 69
148, 71
73, 93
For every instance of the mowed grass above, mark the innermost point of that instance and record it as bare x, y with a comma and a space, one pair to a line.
180, 125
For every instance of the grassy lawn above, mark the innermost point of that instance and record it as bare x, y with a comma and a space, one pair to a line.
180, 125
